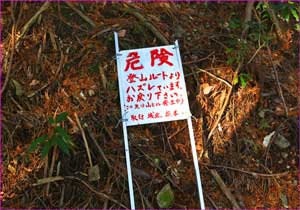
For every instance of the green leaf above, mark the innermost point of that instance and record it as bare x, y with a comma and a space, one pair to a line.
229, 50
46, 149
234, 23
235, 80
264, 124
284, 200
246, 76
33, 146
61, 144
295, 14
61, 117
61, 131
19, 89
230, 60
243, 82
165, 197
297, 27
51, 120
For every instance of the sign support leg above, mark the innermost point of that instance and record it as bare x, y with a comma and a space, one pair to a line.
127, 155
126, 145
195, 159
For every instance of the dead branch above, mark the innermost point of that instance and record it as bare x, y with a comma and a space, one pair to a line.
199, 60
275, 21
83, 16
214, 76
255, 174
248, 17
146, 23
73, 178
277, 81
54, 153
224, 188
99, 148
225, 103
12, 51
84, 138
27, 26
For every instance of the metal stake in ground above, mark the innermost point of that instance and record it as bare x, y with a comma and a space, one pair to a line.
126, 145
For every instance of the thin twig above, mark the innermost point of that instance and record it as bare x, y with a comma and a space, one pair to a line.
212, 202
253, 56
84, 138
99, 148
146, 23
246, 172
177, 132
275, 21
12, 50
51, 168
224, 104
38, 90
199, 60
73, 178
224, 188
26, 27
216, 77
248, 17
83, 16
277, 81
197, 72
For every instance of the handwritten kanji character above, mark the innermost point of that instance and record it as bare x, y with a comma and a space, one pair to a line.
141, 117
140, 97
132, 61
157, 115
142, 78
175, 113
131, 78
165, 102
162, 56
133, 117
150, 115
168, 114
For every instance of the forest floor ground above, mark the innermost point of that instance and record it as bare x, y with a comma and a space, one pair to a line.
242, 84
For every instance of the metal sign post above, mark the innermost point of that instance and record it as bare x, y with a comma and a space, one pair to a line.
152, 89
126, 145
193, 145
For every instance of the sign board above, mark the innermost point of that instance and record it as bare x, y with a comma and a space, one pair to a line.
153, 85
152, 89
